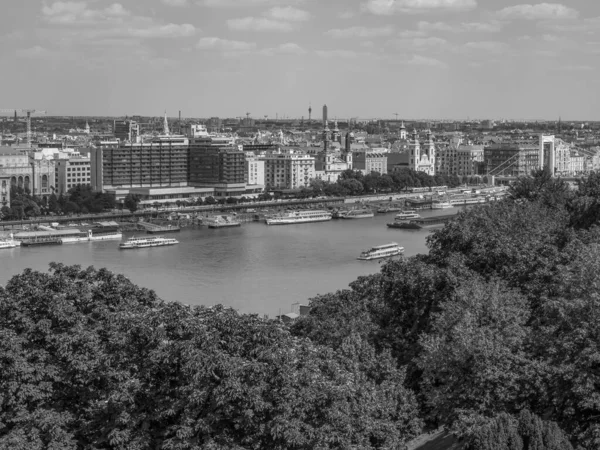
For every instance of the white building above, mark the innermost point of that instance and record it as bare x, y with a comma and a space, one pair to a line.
71, 172
255, 171
30, 170
288, 170
422, 158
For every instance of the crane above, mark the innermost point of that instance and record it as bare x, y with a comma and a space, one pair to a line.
28, 113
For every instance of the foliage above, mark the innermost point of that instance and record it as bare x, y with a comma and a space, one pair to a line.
525, 432
87, 200
131, 202
91, 360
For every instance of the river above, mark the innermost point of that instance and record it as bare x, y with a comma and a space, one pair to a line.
254, 268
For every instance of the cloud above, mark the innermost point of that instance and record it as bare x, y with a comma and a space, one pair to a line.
175, 2
419, 42
244, 3
258, 24
418, 60
487, 46
288, 14
33, 52
360, 32
164, 31
337, 54
388, 7
78, 13
283, 49
541, 11
215, 43
347, 15
464, 27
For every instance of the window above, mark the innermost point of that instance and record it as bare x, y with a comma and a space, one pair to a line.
44, 181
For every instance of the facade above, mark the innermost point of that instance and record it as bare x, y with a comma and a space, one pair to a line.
371, 162
255, 171
577, 162
422, 157
161, 163
220, 166
4, 191
288, 170
511, 159
469, 160
32, 171
126, 130
71, 172
563, 158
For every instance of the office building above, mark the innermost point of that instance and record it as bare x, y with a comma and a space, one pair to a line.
368, 162
69, 172
126, 130
220, 166
255, 171
160, 163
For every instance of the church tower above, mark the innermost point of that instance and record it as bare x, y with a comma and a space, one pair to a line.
347, 154
326, 137
336, 136
402, 131
431, 152
415, 151
166, 125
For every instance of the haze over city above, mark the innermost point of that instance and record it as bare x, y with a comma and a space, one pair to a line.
372, 58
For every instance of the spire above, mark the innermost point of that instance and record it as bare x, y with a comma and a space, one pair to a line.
402, 127
166, 125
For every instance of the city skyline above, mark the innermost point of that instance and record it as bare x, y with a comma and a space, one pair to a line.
419, 58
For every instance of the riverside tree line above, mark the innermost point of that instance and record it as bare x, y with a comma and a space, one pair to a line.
495, 334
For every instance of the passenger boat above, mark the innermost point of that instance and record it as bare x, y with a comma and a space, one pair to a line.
222, 222
408, 214
104, 233
9, 242
144, 242
299, 217
358, 214
441, 205
382, 251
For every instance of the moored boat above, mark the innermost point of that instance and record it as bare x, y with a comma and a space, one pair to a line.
222, 222
441, 205
405, 225
358, 214
299, 217
382, 251
407, 214
144, 242
9, 242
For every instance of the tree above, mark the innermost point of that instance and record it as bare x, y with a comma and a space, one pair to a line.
89, 359
210, 200
131, 202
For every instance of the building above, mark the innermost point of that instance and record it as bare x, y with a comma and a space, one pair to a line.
422, 157
126, 130
71, 172
511, 158
32, 171
4, 191
562, 158
368, 162
255, 171
288, 170
213, 164
469, 160
577, 162
160, 163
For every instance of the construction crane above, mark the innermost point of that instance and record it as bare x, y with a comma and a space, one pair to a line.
28, 113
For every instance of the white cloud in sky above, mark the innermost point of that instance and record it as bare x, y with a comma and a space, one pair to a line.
464, 27
208, 43
258, 24
360, 32
288, 48
418, 60
288, 14
540, 11
388, 7
246, 3
175, 2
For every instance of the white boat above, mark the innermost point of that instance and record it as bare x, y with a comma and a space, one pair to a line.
382, 251
358, 214
9, 242
222, 222
441, 205
144, 242
299, 217
408, 214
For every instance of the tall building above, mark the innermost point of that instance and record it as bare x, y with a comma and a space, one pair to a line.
166, 131
160, 163
324, 114
255, 171
309, 112
214, 164
69, 172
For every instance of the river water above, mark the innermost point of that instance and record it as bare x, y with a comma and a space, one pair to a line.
254, 268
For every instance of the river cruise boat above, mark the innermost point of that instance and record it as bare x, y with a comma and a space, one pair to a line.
222, 222
358, 214
9, 242
299, 217
408, 214
382, 251
405, 225
441, 205
144, 242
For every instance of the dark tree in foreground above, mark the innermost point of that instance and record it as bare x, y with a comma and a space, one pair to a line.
89, 360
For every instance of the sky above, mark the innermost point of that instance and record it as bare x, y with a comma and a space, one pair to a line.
419, 59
